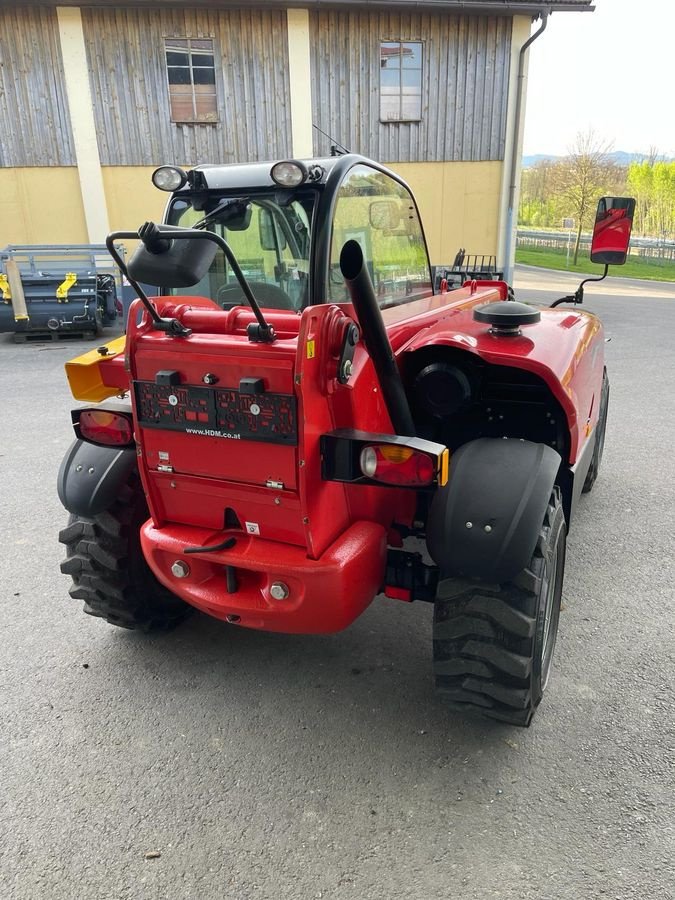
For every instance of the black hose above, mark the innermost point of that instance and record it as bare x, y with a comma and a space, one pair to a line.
365, 303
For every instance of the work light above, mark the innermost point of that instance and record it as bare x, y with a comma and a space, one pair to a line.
169, 178
289, 173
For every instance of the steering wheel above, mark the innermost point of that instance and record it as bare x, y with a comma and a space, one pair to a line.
269, 296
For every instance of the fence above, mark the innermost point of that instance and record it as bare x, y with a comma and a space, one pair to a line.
659, 250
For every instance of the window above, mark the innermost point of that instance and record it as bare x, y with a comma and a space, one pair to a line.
271, 241
380, 214
400, 81
192, 80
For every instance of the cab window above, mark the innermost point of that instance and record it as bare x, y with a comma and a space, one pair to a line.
378, 212
270, 240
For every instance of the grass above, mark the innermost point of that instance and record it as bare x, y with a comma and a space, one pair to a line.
636, 267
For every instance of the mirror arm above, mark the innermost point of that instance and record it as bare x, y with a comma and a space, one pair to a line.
263, 333
580, 289
578, 296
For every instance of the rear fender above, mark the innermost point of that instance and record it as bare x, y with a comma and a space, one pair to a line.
485, 522
91, 476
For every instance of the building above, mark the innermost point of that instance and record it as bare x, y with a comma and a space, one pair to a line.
93, 96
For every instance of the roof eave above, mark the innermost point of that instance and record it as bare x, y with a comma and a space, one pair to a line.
534, 8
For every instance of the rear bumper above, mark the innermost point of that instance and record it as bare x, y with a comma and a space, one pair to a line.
325, 595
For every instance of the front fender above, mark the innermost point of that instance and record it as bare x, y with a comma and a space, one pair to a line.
486, 520
90, 476
565, 350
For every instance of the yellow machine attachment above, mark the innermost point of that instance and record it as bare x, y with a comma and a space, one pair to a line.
65, 286
5, 289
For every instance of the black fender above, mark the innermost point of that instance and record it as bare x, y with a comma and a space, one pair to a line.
484, 523
90, 476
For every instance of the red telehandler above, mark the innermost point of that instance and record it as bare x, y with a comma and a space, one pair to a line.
297, 422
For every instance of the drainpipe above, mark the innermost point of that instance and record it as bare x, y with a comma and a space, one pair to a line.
509, 246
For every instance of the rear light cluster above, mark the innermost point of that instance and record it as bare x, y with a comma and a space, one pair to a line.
360, 457
391, 464
103, 426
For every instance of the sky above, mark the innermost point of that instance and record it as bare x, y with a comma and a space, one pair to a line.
612, 70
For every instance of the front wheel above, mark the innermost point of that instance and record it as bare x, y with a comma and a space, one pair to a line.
599, 444
493, 644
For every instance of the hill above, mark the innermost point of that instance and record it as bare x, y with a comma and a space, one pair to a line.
618, 157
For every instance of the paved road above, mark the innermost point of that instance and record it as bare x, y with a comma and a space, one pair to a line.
265, 767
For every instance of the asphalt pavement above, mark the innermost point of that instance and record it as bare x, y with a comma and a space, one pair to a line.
254, 766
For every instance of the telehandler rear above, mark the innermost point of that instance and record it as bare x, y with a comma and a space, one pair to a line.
297, 410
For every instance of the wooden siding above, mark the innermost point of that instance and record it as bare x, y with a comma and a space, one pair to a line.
464, 85
34, 121
130, 89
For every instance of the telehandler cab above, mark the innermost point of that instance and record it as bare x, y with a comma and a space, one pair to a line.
297, 406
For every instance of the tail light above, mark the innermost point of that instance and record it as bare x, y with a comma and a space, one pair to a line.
384, 459
397, 465
103, 426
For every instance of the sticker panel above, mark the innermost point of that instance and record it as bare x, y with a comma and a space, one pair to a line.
217, 412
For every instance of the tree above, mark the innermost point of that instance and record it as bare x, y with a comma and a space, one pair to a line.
582, 178
653, 184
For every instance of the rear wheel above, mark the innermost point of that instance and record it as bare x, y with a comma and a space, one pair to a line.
600, 428
493, 644
109, 572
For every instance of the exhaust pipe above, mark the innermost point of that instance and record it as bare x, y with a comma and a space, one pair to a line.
365, 303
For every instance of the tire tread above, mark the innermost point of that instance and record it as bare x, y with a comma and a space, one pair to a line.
484, 637
109, 573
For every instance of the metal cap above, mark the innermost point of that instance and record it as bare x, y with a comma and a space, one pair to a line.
507, 314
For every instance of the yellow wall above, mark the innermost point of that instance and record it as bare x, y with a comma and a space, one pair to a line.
131, 197
458, 203
41, 206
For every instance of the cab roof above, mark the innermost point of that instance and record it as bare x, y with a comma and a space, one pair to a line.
256, 176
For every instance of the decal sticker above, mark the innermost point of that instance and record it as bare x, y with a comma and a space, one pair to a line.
218, 412
252, 527
311, 349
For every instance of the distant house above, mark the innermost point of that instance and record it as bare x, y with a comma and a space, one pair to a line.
94, 95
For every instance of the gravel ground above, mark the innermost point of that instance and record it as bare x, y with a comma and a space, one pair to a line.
257, 766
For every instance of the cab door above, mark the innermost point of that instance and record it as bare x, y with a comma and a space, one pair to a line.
374, 208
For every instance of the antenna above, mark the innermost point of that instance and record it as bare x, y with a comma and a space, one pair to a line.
336, 149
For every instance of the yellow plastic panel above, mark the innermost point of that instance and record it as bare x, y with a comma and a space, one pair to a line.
84, 373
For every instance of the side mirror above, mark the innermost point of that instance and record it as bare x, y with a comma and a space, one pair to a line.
384, 215
170, 263
269, 239
611, 233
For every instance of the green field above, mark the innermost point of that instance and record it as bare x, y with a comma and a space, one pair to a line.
636, 267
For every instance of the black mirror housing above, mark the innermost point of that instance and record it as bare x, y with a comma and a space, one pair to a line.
612, 229
178, 264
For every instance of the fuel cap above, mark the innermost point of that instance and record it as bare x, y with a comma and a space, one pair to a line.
506, 317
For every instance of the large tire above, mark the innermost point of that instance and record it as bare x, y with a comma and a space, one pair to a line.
600, 429
493, 644
109, 572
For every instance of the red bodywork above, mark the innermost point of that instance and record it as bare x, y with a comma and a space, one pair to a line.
327, 541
